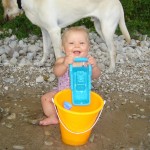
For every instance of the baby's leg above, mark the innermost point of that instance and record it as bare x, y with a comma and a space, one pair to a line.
49, 109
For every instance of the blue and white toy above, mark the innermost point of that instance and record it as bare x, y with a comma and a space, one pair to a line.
67, 105
80, 81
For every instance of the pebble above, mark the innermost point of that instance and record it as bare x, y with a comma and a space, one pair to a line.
9, 80
18, 147
8, 125
142, 110
143, 117
12, 116
47, 133
52, 78
48, 143
39, 79
6, 88
123, 103
92, 138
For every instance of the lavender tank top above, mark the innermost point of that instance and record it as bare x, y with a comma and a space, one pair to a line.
64, 81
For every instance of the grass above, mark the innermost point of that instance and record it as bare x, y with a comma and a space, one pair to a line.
137, 20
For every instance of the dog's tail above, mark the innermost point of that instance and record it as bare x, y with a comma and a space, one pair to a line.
123, 27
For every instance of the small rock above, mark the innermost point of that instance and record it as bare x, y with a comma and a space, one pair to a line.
48, 143
12, 116
18, 147
39, 79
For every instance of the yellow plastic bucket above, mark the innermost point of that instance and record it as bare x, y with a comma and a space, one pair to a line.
76, 124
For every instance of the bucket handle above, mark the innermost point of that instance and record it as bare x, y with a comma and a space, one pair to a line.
82, 131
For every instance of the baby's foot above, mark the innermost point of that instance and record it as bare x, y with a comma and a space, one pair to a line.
48, 121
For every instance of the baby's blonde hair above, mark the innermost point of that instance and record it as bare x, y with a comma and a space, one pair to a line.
76, 28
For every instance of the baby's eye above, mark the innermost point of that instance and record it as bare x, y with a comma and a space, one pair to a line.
70, 42
81, 42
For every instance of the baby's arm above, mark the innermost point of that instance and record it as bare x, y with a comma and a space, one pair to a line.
62, 65
95, 69
59, 67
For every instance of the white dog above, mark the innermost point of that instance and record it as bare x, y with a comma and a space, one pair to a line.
52, 15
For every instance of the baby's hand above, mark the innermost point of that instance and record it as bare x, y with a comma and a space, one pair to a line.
68, 60
91, 61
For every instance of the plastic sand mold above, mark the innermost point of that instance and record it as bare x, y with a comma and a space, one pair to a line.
80, 80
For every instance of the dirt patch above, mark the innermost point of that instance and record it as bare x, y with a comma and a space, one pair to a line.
123, 125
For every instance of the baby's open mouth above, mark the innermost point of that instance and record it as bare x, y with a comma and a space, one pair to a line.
76, 52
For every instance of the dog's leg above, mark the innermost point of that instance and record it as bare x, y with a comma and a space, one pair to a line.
55, 36
108, 30
46, 47
98, 27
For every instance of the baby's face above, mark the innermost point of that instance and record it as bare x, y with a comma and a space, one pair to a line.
76, 43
